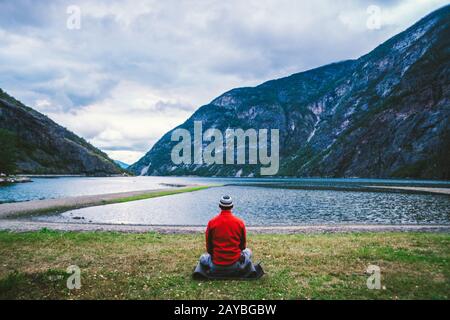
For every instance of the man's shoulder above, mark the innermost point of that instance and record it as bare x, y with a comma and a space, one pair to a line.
217, 220
239, 220
213, 220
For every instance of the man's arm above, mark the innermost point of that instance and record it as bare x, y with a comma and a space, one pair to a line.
243, 244
209, 244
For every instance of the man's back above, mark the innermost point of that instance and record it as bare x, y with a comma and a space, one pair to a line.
225, 238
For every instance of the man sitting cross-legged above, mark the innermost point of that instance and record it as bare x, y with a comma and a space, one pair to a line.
226, 244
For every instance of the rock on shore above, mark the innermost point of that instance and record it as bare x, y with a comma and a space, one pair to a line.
4, 179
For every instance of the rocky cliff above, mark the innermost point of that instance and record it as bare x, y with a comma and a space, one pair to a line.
385, 114
44, 147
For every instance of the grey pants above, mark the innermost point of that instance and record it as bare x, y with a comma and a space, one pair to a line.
241, 264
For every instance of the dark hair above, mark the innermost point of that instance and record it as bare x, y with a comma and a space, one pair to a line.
225, 208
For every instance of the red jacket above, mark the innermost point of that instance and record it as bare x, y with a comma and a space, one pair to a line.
225, 238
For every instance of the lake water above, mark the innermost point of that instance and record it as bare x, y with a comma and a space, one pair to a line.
279, 202
59, 187
48, 188
270, 206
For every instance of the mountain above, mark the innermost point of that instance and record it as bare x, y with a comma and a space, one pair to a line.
121, 164
44, 147
385, 114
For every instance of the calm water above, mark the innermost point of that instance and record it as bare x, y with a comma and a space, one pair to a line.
272, 206
279, 202
47, 188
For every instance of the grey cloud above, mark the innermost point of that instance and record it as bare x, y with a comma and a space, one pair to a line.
22, 14
186, 52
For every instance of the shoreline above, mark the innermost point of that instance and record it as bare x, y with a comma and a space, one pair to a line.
356, 188
445, 191
34, 207
5, 180
15, 216
22, 225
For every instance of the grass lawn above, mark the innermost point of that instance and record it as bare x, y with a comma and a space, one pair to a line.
155, 266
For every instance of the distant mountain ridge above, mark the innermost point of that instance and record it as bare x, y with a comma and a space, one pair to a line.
121, 164
44, 147
386, 114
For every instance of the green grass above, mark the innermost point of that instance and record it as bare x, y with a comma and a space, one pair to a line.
156, 266
156, 194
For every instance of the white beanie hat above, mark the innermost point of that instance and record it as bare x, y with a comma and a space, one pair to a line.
226, 202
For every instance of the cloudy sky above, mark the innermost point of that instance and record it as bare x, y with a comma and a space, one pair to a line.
136, 69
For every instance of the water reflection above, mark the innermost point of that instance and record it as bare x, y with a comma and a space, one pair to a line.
272, 206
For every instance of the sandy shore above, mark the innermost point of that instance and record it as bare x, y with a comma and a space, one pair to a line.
21, 225
11, 210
